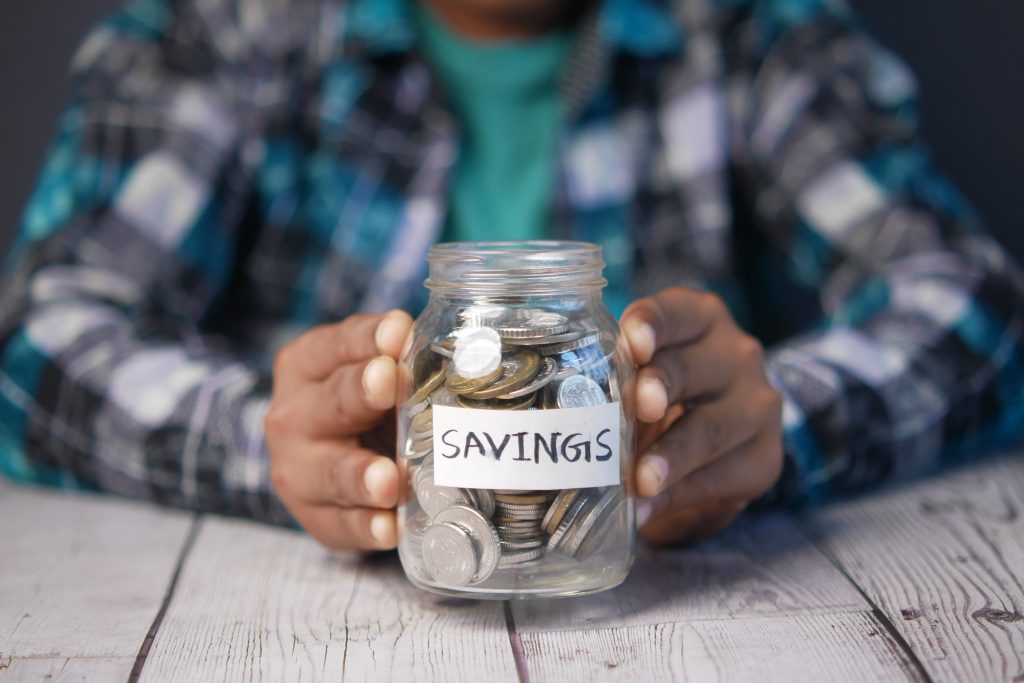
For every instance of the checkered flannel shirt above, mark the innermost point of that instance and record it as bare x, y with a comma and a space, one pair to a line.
231, 172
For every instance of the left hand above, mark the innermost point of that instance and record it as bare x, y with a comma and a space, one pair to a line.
710, 440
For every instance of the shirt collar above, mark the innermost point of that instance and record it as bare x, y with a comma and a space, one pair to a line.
644, 28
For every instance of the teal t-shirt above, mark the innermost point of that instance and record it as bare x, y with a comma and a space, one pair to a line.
505, 95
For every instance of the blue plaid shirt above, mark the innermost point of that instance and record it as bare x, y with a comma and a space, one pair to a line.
231, 172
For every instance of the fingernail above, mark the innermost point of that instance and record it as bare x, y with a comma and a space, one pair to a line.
377, 477
389, 329
652, 393
641, 338
644, 508
381, 528
375, 376
651, 474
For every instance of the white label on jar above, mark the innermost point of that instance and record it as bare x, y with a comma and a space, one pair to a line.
527, 449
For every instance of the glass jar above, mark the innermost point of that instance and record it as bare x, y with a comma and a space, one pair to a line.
515, 445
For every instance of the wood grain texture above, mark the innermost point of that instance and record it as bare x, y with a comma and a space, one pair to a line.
269, 604
762, 567
67, 669
81, 579
850, 646
944, 560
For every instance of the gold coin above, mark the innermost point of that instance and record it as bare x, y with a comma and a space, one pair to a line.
517, 371
516, 404
458, 384
423, 421
530, 499
429, 384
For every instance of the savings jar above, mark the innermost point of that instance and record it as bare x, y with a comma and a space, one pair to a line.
515, 445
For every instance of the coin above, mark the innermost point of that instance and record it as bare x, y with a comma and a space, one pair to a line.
516, 324
571, 345
477, 353
570, 336
517, 371
591, 520
524, 498
493, 404
445, 347
545, 374
521, 545
432, 382
581, 502
449, 554
529, 511
485, 537
432, 498
559, 506
423, 421
484, 501
529, 323
600, 531
511, 559
459, 384
579, 391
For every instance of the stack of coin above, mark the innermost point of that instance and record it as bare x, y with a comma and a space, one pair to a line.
505, 359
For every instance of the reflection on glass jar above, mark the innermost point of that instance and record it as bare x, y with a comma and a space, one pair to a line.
514, 440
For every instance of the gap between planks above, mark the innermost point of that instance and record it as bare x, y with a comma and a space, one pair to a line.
147, 642
518, 654
879, 615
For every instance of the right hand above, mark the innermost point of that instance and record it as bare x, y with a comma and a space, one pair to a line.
332, 387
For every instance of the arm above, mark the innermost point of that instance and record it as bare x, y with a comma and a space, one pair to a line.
109, 376
108, 379
917, 355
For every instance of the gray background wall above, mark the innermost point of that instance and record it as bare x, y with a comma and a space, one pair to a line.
968, 55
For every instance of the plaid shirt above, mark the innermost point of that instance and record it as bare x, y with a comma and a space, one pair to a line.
233, 171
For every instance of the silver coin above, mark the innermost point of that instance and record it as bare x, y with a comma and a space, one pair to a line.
559, 506
521, 545
484, 536
477, 353
582, 501
565, 337
546, 374
528, 323
591, 520
432, 498
512, 559
449, 554
579, 391
485, 501
572, 345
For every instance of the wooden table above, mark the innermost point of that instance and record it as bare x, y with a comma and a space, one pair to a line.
919, 582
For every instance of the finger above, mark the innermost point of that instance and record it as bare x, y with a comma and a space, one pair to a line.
689, 372
351, 401
670, 317
351, 529
317, 353
739, 476
692, 525
331, 473
703, 435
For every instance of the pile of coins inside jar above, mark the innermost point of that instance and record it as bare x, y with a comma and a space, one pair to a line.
503, 359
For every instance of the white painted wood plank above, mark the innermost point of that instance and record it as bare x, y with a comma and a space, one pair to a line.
268, 604
850, 646
762, 567
944, 560
66, 669
81, 577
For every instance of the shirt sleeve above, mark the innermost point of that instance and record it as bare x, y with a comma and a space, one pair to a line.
108, 379
917, 356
